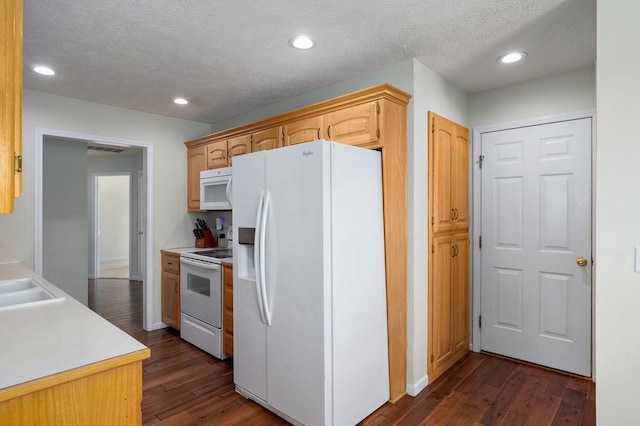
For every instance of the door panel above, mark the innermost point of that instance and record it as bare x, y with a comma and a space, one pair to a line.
536, 221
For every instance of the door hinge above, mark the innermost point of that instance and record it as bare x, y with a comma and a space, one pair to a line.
378, 133
433, 248
480, 241
377, 108
433, 125
433, 221
432, 358
17, 163
480, 160
480, 321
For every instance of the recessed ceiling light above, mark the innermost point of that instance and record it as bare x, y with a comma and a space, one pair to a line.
44, 70
180, 101
302, 42
511, 57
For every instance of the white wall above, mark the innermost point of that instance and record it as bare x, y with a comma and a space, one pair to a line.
171, 226
113, 164
64, 217
618, 212
567, 92
113, 214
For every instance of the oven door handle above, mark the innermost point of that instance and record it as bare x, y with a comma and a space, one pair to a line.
205, 265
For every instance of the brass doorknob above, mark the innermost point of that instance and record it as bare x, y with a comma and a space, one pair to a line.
581, 261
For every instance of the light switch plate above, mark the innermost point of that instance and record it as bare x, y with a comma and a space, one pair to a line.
637, 265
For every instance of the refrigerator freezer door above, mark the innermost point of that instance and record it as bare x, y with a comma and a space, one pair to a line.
297, 265
250, 334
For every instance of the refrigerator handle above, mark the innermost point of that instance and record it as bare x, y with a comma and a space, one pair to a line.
256, 256
263, 277
228, 191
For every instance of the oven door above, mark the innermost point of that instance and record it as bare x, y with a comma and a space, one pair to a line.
201, 290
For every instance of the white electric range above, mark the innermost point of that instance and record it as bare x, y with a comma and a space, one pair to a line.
201, 298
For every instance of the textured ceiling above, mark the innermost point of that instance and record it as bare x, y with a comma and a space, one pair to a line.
231, 57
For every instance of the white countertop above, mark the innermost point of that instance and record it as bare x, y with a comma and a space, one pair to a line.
38, 341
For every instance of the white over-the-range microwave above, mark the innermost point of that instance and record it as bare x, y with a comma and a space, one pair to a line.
215, 189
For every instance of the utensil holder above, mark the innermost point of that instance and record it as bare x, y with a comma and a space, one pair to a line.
207, 241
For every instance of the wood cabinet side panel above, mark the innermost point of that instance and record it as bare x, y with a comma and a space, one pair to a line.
394, 181
196, 162
109, 397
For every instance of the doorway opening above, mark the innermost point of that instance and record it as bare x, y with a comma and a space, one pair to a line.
140, 236
112, 221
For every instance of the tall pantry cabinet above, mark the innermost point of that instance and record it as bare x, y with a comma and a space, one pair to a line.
449, 284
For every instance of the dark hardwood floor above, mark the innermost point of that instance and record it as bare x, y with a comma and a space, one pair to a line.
183, 385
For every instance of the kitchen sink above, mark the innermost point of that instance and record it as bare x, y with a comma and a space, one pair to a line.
25, 292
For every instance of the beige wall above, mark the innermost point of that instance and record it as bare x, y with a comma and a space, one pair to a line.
617, 212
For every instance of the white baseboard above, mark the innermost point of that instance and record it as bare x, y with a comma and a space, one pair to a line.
414, 389
158, 326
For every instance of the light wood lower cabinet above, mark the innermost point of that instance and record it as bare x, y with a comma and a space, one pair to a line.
227, 318
107, 392
448, 302
171, 289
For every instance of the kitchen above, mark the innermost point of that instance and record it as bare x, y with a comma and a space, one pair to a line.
170, 225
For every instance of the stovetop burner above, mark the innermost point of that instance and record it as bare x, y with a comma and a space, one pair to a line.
220, 253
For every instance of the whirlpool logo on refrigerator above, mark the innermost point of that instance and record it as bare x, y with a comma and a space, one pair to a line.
306, 154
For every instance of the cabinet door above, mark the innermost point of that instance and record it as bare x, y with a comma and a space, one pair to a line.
440, 304
460, 177
266, 139
460, 289
10, 102
301, 131
440, 159
217, 155
196, 162
356, 125
171, 299
238, 146
449, 162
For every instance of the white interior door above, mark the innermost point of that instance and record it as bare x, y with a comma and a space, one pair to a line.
536, 231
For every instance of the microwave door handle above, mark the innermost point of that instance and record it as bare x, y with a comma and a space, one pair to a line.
256, 256
228, 190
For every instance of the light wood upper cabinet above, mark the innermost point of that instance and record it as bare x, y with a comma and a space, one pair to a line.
10, 103
356, 125
221, 153
266, 139
238, 146
217, 155
305, 130
449, 155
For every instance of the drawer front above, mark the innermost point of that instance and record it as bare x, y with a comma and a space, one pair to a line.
171, 263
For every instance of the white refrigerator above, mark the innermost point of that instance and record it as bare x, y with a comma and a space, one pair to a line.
310, 323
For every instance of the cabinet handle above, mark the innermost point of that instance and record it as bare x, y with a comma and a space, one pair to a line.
453, 251
228, 152
318, 133
453, 214
329, 131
